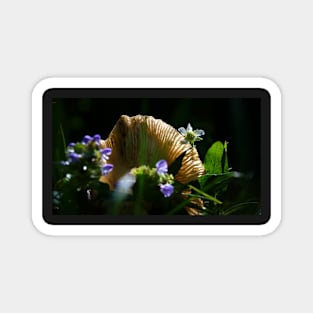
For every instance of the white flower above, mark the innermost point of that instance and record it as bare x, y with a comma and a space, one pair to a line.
191, 135
125, 183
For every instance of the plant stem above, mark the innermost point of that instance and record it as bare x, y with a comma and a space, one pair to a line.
205, 194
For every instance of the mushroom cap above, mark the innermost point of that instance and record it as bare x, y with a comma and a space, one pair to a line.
144, 140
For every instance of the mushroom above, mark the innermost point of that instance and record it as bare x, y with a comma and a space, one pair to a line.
144, 140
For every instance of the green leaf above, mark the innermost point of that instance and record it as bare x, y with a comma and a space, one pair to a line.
217, 183
225, 167
216, 161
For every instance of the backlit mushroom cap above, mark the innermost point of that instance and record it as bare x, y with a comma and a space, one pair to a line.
144, 140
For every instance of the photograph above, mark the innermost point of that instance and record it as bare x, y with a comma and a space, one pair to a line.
156, 156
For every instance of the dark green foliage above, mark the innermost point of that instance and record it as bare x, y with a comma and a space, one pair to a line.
220, 191
217, 181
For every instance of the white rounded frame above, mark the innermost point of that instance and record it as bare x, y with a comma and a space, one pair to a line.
156, 230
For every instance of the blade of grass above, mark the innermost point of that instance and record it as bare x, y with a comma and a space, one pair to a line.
178, 207
205, 195
237, 207
139, 198
63, 138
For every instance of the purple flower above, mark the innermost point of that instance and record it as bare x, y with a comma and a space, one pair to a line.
166, 189
105, 153
106, 169
73, 156
65, 163
71, 146
86, 139
97, 138
161, 167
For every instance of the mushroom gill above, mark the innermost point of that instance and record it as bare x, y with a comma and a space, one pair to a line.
144, 140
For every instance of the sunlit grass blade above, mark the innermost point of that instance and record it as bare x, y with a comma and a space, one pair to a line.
205, 195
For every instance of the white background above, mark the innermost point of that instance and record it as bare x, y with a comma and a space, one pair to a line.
160, 38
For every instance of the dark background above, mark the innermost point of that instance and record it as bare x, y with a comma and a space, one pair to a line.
241, 118
235, 120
